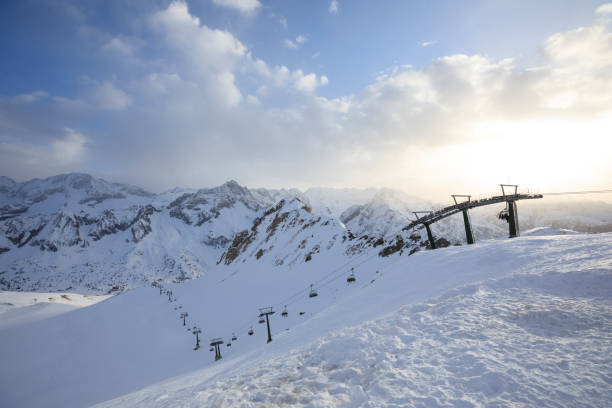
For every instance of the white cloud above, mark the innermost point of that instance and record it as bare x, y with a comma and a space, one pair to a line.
447, 120
334, 7
428, 43
62, 153
211, 55
31, 97
604, 9
245, 6
290, 44
117, 46
294, 45
253, 100
283, 22
108, 96
70, 148
307, 83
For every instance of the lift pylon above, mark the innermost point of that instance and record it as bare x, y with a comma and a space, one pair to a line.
267, 311
469, 236
512, 209
197, 331
215, 343
432, 242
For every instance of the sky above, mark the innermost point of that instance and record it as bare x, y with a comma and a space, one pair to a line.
430, 97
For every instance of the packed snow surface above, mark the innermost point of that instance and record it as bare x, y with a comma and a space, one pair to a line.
21, 308
521, 322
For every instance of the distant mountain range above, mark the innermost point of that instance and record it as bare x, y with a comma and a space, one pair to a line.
81, 233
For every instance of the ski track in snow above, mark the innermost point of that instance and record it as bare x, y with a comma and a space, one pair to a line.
536, 332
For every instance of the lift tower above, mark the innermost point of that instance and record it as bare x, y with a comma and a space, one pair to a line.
432, 242
511, 208
266, 311
466, 218
215, 343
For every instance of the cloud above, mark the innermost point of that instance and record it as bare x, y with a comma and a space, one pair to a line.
117, 46
334, 7
23, 160
206, 109
294, 45
107, 96
245, 6
70, 148
604, 9
283, 21
290, 44
210, 55
428, 43
31, 97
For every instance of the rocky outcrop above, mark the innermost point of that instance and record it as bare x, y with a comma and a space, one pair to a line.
142, 224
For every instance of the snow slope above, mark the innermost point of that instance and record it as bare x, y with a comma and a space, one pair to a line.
22, 308
517, 322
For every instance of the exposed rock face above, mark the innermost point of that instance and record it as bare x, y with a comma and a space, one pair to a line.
207, 204
62, 231
289, 233
142, 224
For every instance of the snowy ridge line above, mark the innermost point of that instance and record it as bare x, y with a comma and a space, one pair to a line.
334, 275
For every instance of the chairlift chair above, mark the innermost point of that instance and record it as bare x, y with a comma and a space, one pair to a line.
234, 338
313, 293
212, 349
261, 320
351, 278
251, 331
285, 313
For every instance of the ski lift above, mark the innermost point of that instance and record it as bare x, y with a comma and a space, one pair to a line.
212, 349
301, 313
313, 293
261, 320
229, 344
285, 313
351, 278
251, 331
234, 338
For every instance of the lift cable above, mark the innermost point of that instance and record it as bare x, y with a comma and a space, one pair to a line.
339, 271
580, 192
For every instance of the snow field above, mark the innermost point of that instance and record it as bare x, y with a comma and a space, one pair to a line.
522, 322
22, 308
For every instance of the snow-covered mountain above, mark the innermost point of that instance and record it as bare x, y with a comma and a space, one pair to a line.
77, 233
522, 322
74, 232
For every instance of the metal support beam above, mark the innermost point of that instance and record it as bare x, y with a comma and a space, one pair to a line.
267, 311
468, 227
268, 324
513, 219
432, 243
215, 343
